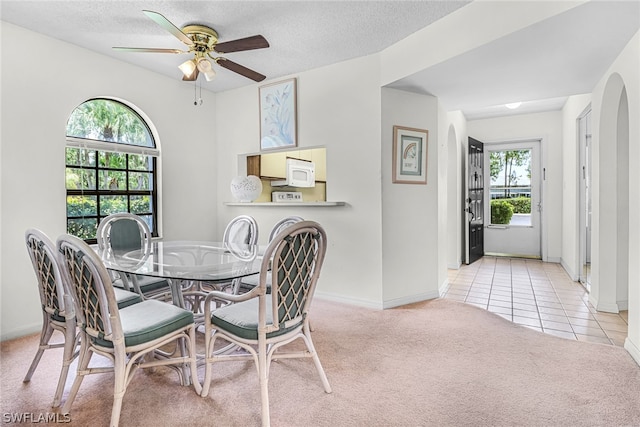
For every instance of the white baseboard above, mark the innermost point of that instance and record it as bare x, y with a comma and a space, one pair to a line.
443, 287
397, 302
348, 300
410, 299
623, 305
24, 331
569, 271
633, 350
607, 308
454, 266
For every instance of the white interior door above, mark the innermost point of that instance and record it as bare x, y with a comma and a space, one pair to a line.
512, 179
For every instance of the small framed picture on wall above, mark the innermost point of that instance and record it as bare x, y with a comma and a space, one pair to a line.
409, 155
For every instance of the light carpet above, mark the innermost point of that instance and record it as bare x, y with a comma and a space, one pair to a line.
435, 363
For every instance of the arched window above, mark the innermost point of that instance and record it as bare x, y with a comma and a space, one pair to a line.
111, 166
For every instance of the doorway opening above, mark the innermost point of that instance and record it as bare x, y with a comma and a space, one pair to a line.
512, 190
584, 143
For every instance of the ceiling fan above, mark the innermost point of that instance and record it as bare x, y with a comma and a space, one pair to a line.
202, 41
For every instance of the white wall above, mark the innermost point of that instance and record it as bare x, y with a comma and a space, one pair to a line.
572, 109
456, 149
547, 126
419, 51
36, 107
410, 258
338, 108
624, 73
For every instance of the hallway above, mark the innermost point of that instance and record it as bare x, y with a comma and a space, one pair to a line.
537, 295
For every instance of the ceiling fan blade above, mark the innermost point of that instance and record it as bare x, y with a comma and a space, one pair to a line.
167, 25
149, 49
192, 77
247, 43
242, 70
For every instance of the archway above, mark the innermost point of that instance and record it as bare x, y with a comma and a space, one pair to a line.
613, 235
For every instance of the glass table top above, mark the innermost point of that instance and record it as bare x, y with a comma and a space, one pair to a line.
186, 260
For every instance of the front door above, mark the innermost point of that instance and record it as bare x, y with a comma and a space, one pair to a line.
475, 206
512, 190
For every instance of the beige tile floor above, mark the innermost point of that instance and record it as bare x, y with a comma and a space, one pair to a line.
537, 295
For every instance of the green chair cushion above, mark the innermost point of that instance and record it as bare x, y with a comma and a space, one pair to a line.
149, 320
58, 318
241, 319
249, 282
126, 298
147, 283
125, 235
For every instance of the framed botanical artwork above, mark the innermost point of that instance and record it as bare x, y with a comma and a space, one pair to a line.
409, 155
278, 115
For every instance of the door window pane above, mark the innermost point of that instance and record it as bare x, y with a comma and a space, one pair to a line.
510, 187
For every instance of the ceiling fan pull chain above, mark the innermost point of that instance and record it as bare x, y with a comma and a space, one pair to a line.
197, 101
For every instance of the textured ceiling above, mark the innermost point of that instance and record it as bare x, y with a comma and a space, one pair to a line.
540, 64
302, 34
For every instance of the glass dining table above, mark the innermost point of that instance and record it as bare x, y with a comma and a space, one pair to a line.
185, 263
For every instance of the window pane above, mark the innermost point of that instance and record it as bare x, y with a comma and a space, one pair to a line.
80, 157
79, 206
112, 204
80, 179
510, 187
84, 228
102, 181
108, 120
140, 181
149, 220
112, 160
140, 162
141, 205
112, 180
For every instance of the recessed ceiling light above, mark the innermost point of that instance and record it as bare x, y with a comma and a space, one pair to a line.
513, 105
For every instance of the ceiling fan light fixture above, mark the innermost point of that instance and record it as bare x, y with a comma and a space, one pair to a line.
204, 66
513, 105
188, 67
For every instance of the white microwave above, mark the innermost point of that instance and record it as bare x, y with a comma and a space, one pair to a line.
299, 173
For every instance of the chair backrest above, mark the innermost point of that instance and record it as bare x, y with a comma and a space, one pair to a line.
241, 229
123, 232
93, 294
296, 254
282, 224
51, 284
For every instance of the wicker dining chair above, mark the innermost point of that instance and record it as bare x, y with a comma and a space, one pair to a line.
127, 232
57, 307
247, 283
124, 336
261, 323
242, 229
58, 312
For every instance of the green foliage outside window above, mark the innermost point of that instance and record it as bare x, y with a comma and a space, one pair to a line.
111, 121
100, 183
520, 205
501, 211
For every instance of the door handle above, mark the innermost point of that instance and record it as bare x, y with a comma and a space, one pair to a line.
473, 216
